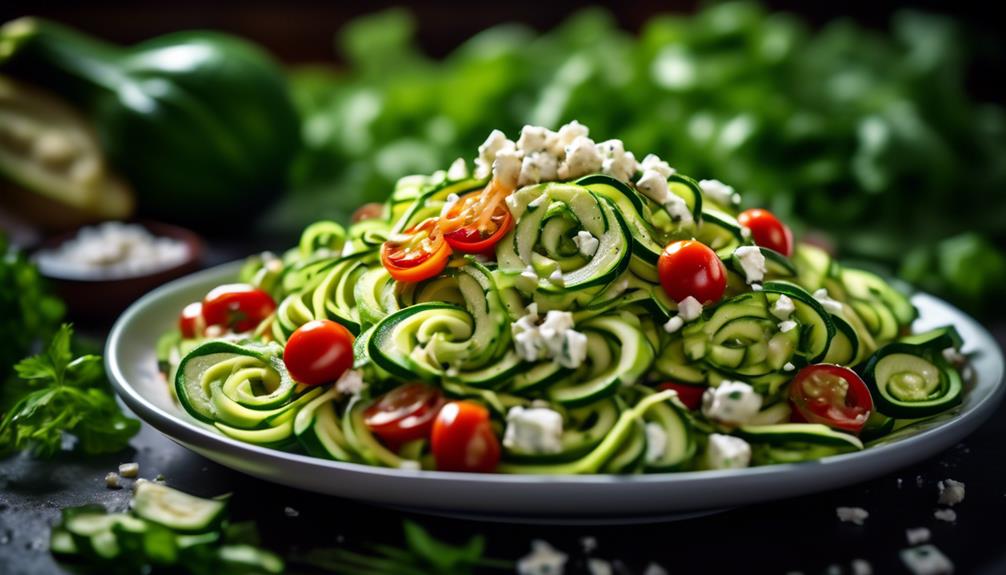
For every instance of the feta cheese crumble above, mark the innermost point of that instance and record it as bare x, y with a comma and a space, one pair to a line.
538, 167
654, 569
861, 567
720, 192
854, 515
829, 304
788, 366
948, 515
951, 492
656, 441
926, 560
458, 170
787, 326
535, 139
674, 324
350, 383
783, 308
495, 143
507, 167
131, 469
731, 403
652, 163
556, 278
752, 262
586, 243
727, 452
917, 535
689, 309
533, 430
599, 567
653, 185
410, 465
616, 162
554, 339
570, 132
582, 158
543, 560
112, 480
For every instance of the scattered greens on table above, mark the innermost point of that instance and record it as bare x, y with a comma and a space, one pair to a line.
869, 136
578, 310
62, 394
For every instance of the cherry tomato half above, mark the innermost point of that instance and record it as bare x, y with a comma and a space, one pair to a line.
417, 254
478, 221
463, 439
318, 352
239, 307
690, 395
767, 231
404, 414
833, 395
191, 322
691, 268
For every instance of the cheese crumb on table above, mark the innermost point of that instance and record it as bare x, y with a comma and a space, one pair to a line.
112, 480
948, 515
129, 469
951, 492
599, 567
861, 567
654, 569
543, 560
917, 535
855, 515
926, 560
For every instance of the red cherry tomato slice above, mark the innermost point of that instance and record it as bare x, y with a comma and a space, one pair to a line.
477, 222
767, 231
238, 307
690, 395
691, 268
191, 322
833, 395
404, 414
463, 439
318, 352
419, 253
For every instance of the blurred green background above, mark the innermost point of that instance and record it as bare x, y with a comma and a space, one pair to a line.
869, 134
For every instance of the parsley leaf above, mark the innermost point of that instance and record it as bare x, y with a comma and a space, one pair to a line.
27, 312
64, 395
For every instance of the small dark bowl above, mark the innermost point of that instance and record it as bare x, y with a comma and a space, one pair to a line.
99, 301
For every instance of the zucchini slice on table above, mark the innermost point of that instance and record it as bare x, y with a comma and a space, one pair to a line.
176, 510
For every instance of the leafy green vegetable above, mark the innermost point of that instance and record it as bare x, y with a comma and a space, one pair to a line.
64, 395
27, 312
869, 136
422, 554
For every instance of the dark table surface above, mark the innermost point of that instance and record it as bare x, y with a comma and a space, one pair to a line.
796, 535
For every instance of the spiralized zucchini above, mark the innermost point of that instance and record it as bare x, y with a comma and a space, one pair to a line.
588, 246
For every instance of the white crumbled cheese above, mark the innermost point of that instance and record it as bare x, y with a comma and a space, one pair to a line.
752, 261
112, 250
556, 278
861, 567
787, 326
535, 139
951, 492
674, 324
720, 192
112, 480
543, 560
555, 338
756, 287
586, 243
533, 430
783, 308
652, 163
616, 162
654, 186
746, 232
410, 465
599, 567
829, 304
678, 209
654, 569
954, 356
788, 366
689, 309
495, 143
855, 515
917, 535
458, 170
131, 469
581, 159
291, 512
538, 167
350, 383
507, 167
727, 452
448, 206
833, 570
731, 402
656, 442
527, 281
589, 544
948, 515
926, 560
570, 132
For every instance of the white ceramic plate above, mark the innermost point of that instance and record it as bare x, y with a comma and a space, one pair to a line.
132, 367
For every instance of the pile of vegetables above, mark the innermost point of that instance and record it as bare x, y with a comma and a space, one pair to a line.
866, 135
560, 308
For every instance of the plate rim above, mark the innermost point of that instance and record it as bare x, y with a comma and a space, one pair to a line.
188, 431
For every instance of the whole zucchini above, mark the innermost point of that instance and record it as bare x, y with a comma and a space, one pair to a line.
199, 122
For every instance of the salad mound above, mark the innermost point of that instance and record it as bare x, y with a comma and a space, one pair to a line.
559, 308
